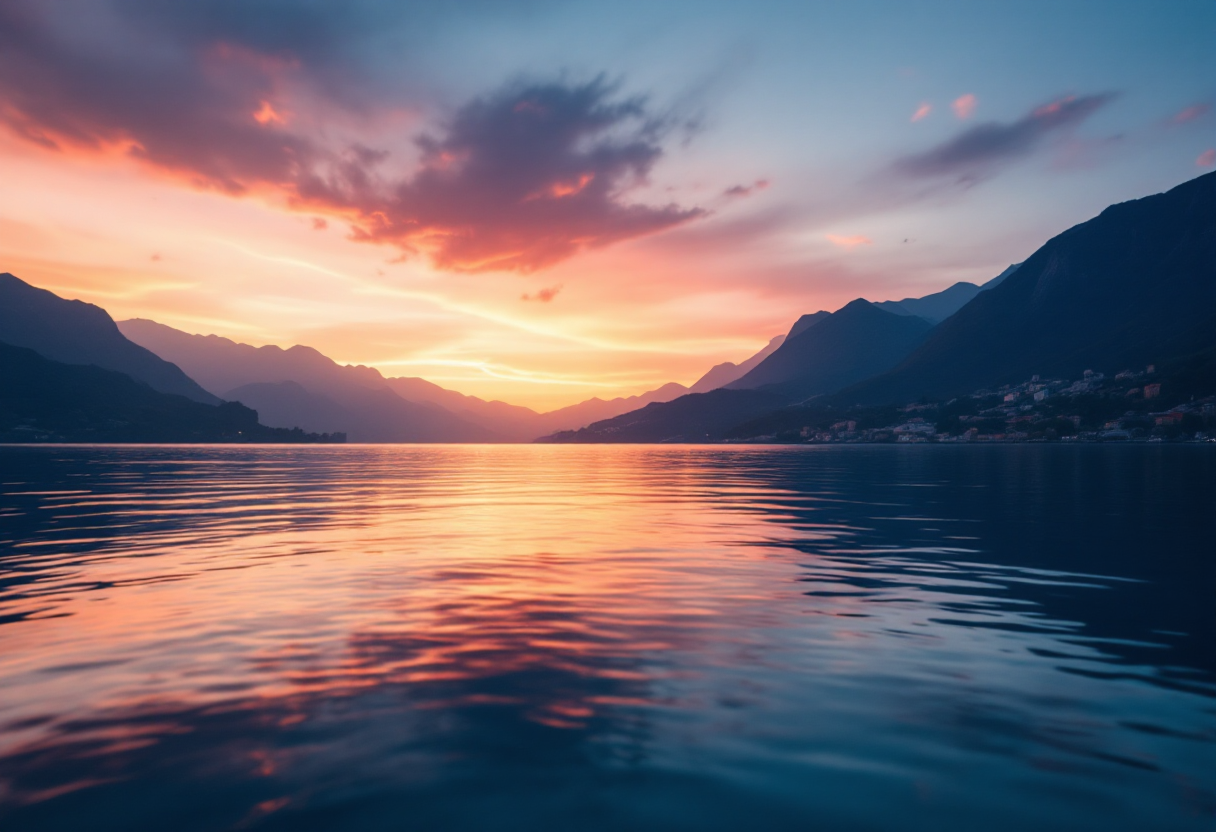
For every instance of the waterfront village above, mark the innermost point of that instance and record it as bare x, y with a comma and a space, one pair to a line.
1130, 406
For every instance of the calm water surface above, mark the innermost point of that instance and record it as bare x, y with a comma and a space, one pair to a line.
585, 638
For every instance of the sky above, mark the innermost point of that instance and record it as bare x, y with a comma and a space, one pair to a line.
541, 202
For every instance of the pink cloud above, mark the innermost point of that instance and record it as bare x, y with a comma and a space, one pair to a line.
267, 114
543, 295
977, 151
849, 242
746, 190
1207, 158
1191, 113
923, 110
964, 105
519, 179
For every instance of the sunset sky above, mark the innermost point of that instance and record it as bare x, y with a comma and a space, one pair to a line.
541, 202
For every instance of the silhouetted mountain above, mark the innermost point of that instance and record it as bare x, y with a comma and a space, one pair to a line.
938, 306
511, 422
806, 322
723, 374
595, 410
853, 343
1136, 285
221, 365
1000, 278
49, 401
832, 351
300, 387
365, 415
75, 332
224, 366
696, 417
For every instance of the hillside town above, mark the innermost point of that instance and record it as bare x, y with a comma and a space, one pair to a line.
1131, 406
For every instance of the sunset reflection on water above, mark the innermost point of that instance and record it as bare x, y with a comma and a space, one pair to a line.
606, 637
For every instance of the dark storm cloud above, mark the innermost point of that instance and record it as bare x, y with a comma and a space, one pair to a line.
222, 94
985, 147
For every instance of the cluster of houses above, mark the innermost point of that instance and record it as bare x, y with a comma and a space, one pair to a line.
1043, 409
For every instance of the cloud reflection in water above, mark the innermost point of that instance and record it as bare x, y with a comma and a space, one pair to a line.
605, 637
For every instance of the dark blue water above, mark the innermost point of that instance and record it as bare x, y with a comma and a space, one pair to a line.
587, 638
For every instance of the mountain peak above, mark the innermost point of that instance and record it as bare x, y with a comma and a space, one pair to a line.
76, 332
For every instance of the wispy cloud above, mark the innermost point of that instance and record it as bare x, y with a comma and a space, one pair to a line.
746, 190
848, 242
922, 111
980, 150
964, 106
1207, 158
543, 295
1191, 113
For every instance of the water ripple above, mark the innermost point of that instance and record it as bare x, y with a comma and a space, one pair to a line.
607, 638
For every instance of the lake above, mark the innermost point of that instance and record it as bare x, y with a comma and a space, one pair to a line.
608, 637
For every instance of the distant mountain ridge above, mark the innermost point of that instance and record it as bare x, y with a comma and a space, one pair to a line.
365, 415
938, 306
828, 352
50, 401
301, 387
853, 343
723, 374
263, 377
1135, 285
75, 332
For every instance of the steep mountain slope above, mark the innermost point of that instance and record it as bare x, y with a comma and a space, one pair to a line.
594, 410
43, 400
367, 415
936, 307
511, 422
74, 332
1135, 285
1000, 278
835, 350
853, 343
723, 374
697, 417
805, 322
933, 308
223, 366
301, 387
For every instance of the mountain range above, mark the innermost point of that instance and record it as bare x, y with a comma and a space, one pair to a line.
44, 400
823, 353
723, 374
938, 306
301, 387
75, 332
1135, 285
